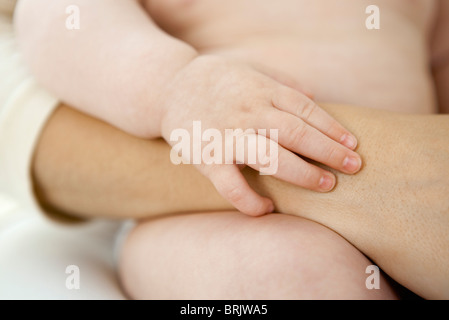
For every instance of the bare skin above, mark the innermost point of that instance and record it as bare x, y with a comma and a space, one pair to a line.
226, 255
305, 39
283, 41
171, 85
74, 174
400, 196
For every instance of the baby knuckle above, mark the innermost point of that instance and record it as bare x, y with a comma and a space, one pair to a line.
334, 129
246, 108
333, 155
308, 176
234, 193
246, 120
297, 134
307, 109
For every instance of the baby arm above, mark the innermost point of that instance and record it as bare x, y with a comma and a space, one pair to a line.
112, 68
119, 67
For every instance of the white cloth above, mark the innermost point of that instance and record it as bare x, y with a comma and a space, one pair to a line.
35, 255
24, 109
34, 251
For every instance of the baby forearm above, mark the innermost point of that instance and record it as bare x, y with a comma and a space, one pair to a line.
113, 67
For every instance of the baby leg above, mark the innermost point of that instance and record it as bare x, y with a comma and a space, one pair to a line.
231, 256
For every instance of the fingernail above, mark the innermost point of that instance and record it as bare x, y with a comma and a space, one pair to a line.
327, 182
349, 141
352, 164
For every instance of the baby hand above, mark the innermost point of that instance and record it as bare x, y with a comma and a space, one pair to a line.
224, 95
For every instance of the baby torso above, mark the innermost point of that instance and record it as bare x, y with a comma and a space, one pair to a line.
326, 45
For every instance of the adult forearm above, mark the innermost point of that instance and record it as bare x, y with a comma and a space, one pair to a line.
396, 210
87, 168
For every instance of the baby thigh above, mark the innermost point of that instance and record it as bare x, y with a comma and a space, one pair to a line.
228, 255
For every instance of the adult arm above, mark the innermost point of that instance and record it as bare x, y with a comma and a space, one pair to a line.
396, 210
87, 168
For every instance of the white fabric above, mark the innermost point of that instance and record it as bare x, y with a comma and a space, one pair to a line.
35, 252
35, 255
24, 109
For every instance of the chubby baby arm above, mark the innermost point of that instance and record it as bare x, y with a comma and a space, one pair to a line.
121, 68
113, 67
